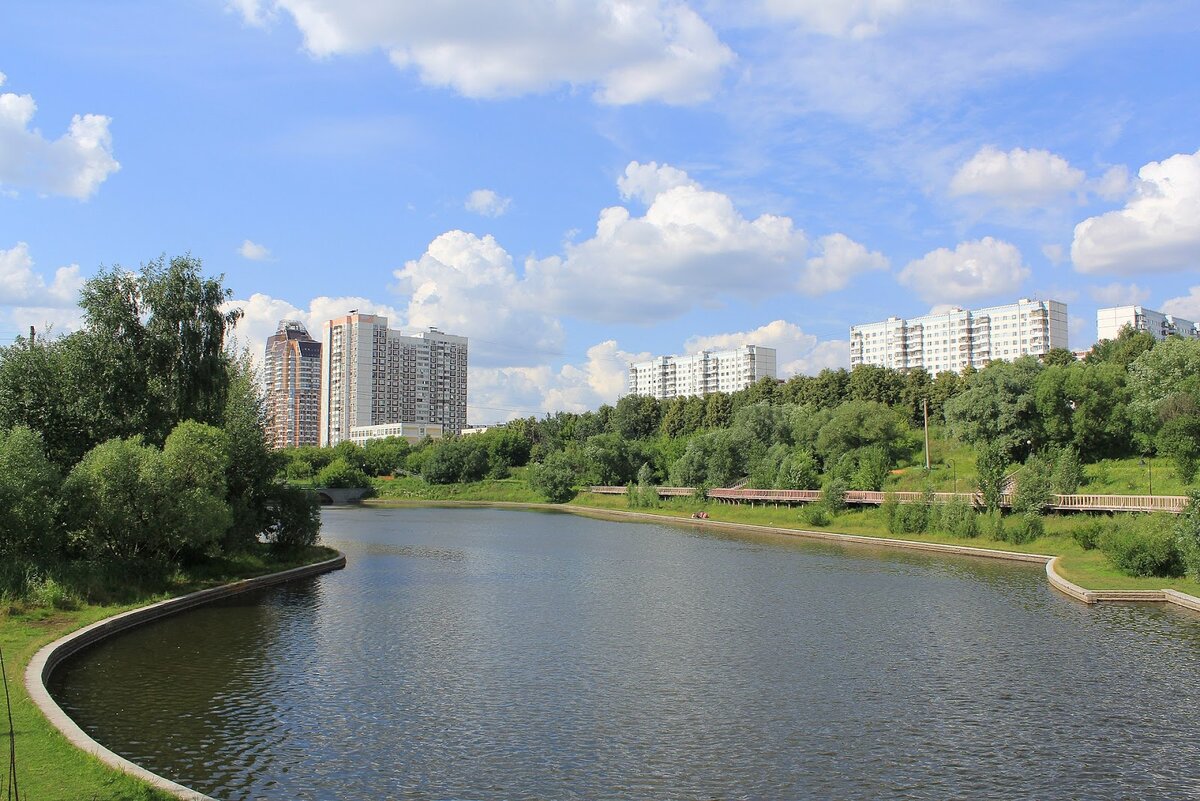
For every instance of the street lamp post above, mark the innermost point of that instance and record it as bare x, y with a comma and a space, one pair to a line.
1148, 463
954, 468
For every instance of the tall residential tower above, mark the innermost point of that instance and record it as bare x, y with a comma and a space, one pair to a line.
372, 375
292, 372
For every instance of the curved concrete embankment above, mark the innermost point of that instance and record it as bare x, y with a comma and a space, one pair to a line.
48, 658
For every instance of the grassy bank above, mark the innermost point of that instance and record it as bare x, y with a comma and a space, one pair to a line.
514, 489
1089, 569
49, 768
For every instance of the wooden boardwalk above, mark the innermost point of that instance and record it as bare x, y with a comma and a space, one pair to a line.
1061, 503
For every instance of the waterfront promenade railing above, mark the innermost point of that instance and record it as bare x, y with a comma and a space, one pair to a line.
1062, 503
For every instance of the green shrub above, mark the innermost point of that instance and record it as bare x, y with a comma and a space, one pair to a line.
1143, 547
554, 478
815, 514
911, 518
833, 495
46, 592
993, 525
296, 519
957, 518
890, 509
1088, 534
1187, 535
1068, 472
1028, 526
340, 474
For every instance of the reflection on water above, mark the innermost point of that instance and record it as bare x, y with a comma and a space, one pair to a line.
490, 654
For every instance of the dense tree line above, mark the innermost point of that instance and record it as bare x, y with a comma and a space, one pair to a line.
140, 438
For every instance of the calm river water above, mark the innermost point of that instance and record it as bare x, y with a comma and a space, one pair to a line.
501, 655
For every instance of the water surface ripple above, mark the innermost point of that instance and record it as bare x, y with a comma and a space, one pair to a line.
498, 655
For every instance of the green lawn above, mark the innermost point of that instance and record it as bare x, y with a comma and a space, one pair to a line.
49, 768
950, 459
513, 489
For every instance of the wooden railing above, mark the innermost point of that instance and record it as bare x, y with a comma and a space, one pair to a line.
1062, 503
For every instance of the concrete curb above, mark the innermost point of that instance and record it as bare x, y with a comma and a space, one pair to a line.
1059, 583
49, 657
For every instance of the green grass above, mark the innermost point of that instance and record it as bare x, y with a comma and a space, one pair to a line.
951, 464
50, 768
514, 489
1129, 477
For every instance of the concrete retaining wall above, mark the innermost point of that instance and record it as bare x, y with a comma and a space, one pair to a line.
45, 660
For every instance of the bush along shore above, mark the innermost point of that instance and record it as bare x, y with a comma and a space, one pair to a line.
134, 465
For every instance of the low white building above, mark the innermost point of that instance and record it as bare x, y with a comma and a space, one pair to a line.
953, 340
701, 373
413, 432
1110, 321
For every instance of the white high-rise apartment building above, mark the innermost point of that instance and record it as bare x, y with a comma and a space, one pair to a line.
372, 375
1109, 323
292, 371
701, 373
960, 337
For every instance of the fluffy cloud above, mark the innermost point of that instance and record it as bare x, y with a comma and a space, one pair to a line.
978, 269
639, 268
1018, 178
1187, 306
1116, 294
1158, 230
487, 202
261, 315
630, 51
796, 351
502, 393
254, 251
27, 299
467, 285
74, 165
856, 19
840, 260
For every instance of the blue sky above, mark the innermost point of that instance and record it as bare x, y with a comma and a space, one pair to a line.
576, 184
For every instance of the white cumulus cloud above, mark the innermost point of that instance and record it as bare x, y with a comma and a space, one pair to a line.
27, 298
978, 269
73, 165
840, 260
630, 51
1158, 230
796, 351
856, 19
487, 202
261, 314
1117, 294
467, 285
691, 247
1018, 177
254, 251
1186, 306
